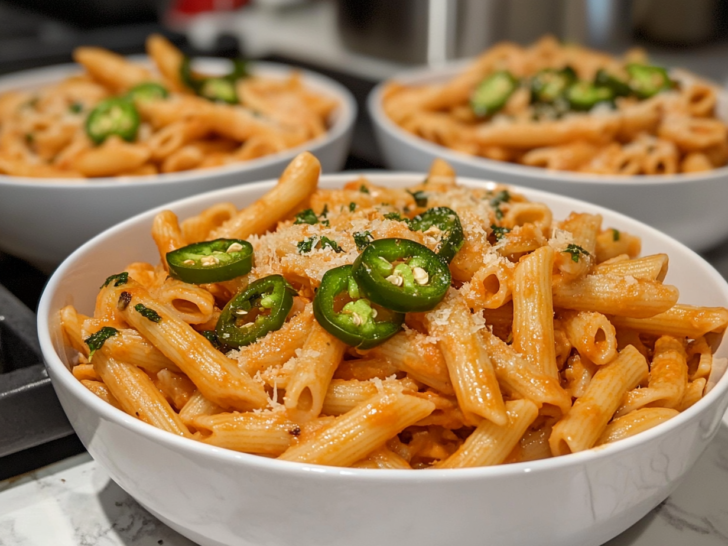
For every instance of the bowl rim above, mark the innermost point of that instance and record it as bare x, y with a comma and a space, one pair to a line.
344, 117
76, 389
494, 168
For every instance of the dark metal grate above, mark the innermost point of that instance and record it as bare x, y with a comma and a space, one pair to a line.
30, 413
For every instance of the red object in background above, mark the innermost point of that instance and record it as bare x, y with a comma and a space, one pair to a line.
195, 7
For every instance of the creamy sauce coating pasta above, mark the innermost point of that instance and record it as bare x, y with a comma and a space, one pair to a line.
585, 346
676, 130
45, 132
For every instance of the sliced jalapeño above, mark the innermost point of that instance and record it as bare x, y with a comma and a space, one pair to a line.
114, 116
147, 91
646, 81
261, 308
401, 275
211, 261
492, 93
343, 311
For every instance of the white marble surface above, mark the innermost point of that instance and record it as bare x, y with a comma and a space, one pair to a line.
74, 503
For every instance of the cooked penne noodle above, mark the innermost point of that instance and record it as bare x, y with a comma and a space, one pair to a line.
679, 321
619, 296
420, 358
634, 423
296, 183
216, 376
533, 325
584, 424
355, 434
102, 391
314, 368
619, 135
197, 405
137, 395
527, 346
667, 381
490, 444
591, 334
470, 368
278, 347
518, 376
651, 268
266, 433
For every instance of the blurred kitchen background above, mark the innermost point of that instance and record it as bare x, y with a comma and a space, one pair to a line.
357, 42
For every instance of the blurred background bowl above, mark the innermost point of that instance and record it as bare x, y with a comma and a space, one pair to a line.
43, 220
216, 496
688, 207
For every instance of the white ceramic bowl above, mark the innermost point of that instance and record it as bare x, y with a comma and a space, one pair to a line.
43, 220
215, 496
688, 207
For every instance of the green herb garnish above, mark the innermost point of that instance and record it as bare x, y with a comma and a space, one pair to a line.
75, 108
307, 216
615, 235
29, 138
97, 340
309, 243
501, 197
306, 245
352, 206
211, 336
396, 216
118, 280
149, 314
499, 232
362, 239
363, 189
326, 242
420, 198
576, 251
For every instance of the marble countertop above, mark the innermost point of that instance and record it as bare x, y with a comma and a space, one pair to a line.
75, 503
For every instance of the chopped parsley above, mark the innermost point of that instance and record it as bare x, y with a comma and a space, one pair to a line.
499, 232
396, 216
362, 239
615, 235
307, 216
75, 108
211, 336
118, 280
363, 189
420, 197
576, 251
29, 138
352, 206
97, 340
147, 313
501, 197
309, 243
306, 245
333, 245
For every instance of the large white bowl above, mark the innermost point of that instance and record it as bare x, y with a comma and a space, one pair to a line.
43, 220
689, 207
216, 496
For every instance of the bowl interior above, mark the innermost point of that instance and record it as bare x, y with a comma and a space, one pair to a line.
76, 281
339, 122
490, 167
